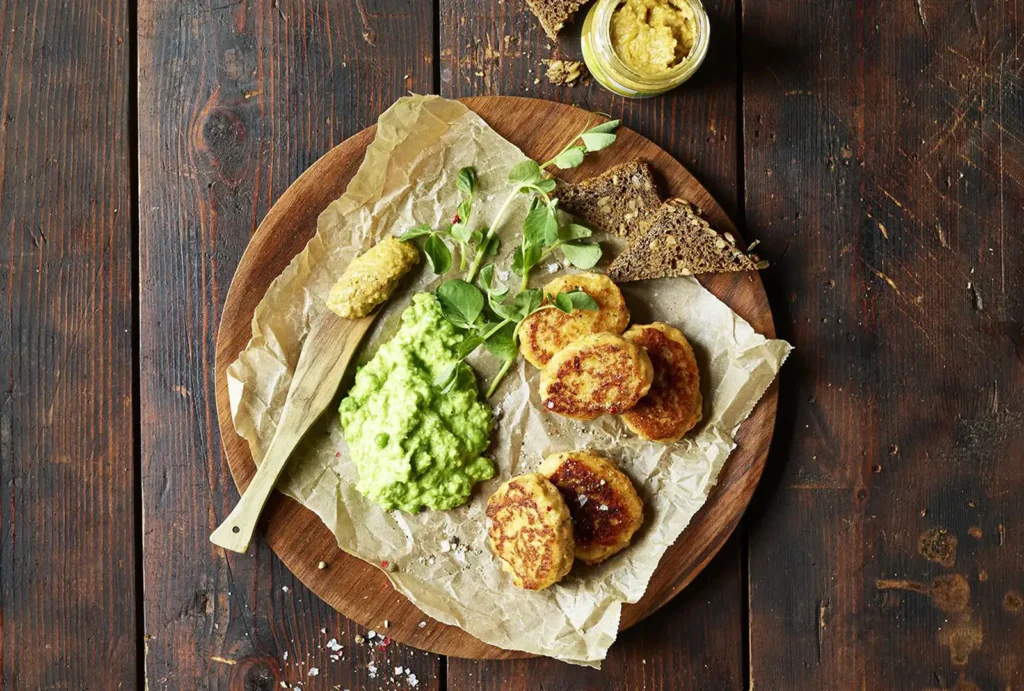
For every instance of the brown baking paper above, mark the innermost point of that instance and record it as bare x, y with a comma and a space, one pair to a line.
407, 178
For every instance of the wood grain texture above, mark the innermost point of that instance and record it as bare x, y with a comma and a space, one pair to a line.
236, 99
497, 47
67, 556
883, 157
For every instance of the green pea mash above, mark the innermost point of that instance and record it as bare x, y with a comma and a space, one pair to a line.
413, 445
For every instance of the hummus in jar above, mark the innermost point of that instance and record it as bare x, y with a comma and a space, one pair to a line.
653, 36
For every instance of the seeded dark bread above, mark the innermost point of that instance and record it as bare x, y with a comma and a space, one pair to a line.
680, 243
622, 201
553, 14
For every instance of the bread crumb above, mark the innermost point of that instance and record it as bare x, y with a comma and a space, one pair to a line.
566, 72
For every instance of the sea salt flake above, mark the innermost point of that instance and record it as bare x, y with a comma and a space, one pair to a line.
371, 634
314, 671
285, 655
503, 275
581, 498
399, 671
445, 546
422, 624
603, 507
284, 588
553, 267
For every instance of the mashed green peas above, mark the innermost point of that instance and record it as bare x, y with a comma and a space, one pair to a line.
413, 445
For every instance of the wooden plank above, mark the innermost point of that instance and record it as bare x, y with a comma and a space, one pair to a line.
237, 98
883, 156
67, 555
697, 642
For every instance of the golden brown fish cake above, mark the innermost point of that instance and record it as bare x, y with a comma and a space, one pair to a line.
530, 531
547, 331
605, 508
594, 375
673, 405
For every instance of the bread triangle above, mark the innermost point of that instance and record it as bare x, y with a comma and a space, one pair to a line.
622, 201
680, 243
553, 14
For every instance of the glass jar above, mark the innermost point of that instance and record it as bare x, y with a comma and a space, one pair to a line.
609, 69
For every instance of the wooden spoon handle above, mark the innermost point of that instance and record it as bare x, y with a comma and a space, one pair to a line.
329, 347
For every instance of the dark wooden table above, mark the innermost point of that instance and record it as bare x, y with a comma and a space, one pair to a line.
876, 149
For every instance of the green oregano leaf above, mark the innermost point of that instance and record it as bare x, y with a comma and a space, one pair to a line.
527, 301
604, 127
467, 346
579, 300
465, 208
570, 158
438, 255
466, 181
595, 141
573, 231
581, 255
526, 173
540, 227
461, 302
486, 276
416, 231
501, 343
462, 233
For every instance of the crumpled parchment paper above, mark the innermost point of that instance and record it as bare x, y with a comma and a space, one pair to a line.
408, 177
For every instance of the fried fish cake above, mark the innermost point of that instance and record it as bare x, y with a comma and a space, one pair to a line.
531, 531
594, 375
673, 405
604, 505
547, 331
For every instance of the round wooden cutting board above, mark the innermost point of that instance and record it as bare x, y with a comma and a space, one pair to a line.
360, 590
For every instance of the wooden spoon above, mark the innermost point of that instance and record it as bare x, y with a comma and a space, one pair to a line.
329, 347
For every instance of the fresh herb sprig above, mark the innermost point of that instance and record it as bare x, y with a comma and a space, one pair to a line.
481, 308
594, 139
468, 240
529, 177
488, 320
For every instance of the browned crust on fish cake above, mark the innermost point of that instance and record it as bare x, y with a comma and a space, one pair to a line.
595, 375
605, 507
673, 405
530, 531
548, 331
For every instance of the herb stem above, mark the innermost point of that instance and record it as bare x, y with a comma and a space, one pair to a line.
499, 376
496, 328
550, 249
567, 147
475, 266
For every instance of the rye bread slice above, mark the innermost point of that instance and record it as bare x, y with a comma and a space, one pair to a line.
553, 14
680, 243
622, 201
